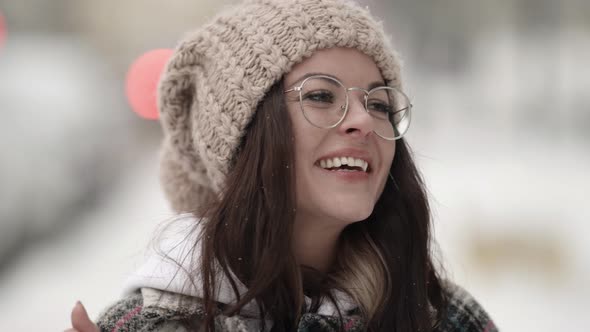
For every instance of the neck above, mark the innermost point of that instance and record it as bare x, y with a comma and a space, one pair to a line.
315, 242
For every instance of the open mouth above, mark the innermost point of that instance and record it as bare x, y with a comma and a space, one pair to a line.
344, 164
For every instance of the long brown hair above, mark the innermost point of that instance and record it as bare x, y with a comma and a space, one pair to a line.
384, 262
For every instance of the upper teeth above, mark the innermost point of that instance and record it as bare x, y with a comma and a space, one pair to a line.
339, 161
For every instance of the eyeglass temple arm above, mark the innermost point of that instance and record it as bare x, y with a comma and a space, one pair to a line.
405, 108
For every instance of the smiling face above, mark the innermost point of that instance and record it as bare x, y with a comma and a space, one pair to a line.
330, 192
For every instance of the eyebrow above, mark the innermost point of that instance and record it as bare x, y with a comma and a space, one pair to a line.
372, 85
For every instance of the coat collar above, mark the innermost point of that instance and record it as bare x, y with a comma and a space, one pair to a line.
161, 271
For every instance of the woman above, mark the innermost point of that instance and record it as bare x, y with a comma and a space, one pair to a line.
302, 209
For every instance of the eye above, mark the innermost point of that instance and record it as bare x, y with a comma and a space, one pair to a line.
319, 96
379, 106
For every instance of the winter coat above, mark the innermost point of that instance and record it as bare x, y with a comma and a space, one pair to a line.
152, 310
156, 298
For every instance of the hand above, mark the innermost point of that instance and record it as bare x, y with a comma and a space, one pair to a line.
80, 320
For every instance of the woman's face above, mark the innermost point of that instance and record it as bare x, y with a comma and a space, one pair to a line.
337, 196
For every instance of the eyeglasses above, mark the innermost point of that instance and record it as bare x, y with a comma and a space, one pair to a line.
324, 103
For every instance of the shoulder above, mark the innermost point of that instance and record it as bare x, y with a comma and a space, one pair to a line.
147, 311
464, 313
153, 310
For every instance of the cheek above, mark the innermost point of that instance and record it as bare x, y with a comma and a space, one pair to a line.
305, 147
388, 153
306, 138
302, 148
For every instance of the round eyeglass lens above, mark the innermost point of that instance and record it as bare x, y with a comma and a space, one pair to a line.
323, 101
390, 109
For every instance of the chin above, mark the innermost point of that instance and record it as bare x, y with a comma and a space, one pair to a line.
352, 214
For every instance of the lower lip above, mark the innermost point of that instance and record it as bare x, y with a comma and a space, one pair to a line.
347, 175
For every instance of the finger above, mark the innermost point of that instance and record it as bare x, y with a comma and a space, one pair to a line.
71, 330
81, 321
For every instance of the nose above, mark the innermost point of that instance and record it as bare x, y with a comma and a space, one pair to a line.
357, 122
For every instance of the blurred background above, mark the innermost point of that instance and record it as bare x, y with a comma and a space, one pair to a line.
501, 131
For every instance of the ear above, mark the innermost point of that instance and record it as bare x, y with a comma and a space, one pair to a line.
142, 79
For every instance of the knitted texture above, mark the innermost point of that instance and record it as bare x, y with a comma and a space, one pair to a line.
464, 314
217, 76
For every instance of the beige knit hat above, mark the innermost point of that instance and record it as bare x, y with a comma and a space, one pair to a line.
216, 77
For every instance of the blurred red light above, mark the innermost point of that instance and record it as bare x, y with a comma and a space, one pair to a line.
2, 30
142, 82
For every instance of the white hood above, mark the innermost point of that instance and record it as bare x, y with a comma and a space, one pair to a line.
163, 273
